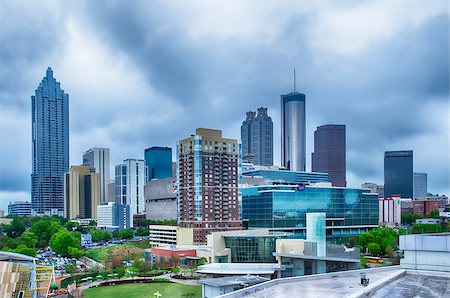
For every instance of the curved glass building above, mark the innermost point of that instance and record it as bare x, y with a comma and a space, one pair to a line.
293, 131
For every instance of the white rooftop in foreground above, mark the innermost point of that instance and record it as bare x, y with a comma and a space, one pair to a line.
384, 282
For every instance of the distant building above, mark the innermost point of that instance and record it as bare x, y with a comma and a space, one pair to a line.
19, 208
131, 176
161, 199
113, 216
398, 174
390, 211
257, 138
81, 193
293, 131
98, 161
442, 200
420, 185
50, 146
374, 188
424, 207
159, 162
111, 192
2, 213
208, 178
214, 287
329, 153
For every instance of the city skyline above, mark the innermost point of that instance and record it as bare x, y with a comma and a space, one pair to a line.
117, 63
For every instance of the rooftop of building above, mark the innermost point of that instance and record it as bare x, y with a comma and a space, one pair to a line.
12, 256
383, 282
234, 280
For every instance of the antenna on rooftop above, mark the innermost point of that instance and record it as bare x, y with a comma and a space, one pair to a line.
295, 79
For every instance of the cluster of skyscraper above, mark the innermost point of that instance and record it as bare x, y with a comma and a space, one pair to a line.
205, 191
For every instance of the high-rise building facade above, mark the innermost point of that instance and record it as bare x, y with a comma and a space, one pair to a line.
208, 179
398, 174
159, 162
50, 146
329, 153
131, 176
257, 138
390, 211
420, 185
293, 131
81, 192
19, 208
98, 161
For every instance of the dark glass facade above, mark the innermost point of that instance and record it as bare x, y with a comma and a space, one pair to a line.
285, 206
329, 153
398, 174
159, 162
252, 249
50, 146
257, 138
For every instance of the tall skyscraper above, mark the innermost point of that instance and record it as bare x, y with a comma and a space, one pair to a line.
208, 179
293, 131
98, 161
257, 138
329, 153
131, 176
50, 146
398, 174
159, 162
81, 192
420, 185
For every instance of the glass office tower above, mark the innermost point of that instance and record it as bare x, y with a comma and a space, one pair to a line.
398, 174
257, 138
50, 146
348, 211
329, 153
98, 161
293, 131
159, 162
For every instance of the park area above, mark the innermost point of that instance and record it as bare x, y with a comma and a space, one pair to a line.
145, 290
131, 249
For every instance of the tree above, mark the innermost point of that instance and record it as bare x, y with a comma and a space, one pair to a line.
434, 214
374, 249
426, 228
92, 223
61, 241
142, 232
126, 234
75, 252
100, 235
409, 218
365, 239
29, 239
72, 225
22, 249
15, 229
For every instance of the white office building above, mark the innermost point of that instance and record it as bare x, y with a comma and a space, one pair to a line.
390, 211
131, 176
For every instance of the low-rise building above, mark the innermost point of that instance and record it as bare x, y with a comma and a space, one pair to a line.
169, 256
428, 221
113, 216
214, 270
170, 235
424, 207
390, 211
19, 208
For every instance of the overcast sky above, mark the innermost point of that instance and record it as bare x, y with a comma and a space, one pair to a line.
147, 73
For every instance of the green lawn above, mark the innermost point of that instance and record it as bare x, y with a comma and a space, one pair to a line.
104, 253
171, 290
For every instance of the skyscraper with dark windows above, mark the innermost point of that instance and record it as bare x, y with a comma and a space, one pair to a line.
159, 162
50, 146
257, 138
398, 174
293, 131
329, 153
